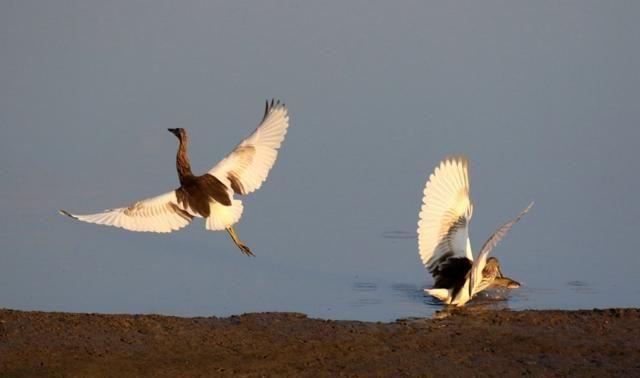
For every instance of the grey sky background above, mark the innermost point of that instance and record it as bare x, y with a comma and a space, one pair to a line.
543, 96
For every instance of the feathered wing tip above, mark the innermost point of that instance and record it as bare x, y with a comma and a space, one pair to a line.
248, 165
494, 239
271, 105
445, 213
64, 212
158, 214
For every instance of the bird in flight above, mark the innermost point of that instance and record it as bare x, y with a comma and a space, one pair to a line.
443, 237
211, 195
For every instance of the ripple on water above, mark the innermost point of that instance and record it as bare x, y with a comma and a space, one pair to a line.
581, 287
368, 289
405, 299
363, 302
365, 286
400, 235
411, 293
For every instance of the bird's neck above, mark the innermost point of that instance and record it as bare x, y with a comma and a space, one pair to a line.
182, 161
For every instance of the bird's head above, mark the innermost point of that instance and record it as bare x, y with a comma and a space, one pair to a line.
492, 268
179, 132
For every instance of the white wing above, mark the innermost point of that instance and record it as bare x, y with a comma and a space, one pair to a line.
478, 265
443, 222
157, 214
247, 166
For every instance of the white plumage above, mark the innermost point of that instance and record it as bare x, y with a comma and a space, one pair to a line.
157, 214
223, 216
253, 158
443, 225
443, 235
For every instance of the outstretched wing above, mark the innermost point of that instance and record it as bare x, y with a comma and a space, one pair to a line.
443, 225
478, 265
247, 166
157, 214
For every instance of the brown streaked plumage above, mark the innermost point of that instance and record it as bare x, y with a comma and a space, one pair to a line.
492, 274
197, 193
236, 185
210, 195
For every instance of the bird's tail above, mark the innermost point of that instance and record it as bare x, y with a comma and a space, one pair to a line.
441, 294
222, 216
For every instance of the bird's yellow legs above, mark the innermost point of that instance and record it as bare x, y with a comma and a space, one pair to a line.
237, 241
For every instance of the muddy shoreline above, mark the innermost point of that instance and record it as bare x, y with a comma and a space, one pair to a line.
465, 342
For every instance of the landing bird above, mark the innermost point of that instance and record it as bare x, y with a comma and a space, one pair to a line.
209, 196
443, 237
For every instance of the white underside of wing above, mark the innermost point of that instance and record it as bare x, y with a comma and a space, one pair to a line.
158, 214
494, 239
248, 165
445, 213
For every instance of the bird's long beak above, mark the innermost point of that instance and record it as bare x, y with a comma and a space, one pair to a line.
175, 132
506, 282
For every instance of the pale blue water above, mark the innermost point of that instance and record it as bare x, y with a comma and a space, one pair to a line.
542, 96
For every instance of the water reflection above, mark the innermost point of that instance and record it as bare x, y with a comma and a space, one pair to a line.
496, 299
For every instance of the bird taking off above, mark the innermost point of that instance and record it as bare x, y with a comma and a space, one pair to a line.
443, 237
210, 196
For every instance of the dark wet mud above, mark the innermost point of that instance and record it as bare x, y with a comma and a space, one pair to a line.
466, 342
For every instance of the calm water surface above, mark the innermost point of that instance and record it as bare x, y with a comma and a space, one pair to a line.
542, 97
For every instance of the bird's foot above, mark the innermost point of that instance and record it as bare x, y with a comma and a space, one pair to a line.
244, 249
237, 242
